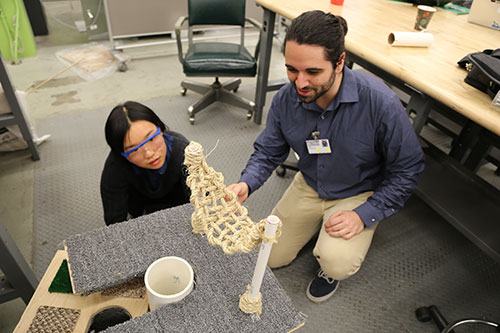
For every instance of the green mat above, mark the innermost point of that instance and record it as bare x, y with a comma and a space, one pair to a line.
61, 282
457, 9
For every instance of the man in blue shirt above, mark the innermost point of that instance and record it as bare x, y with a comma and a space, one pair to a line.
359, 156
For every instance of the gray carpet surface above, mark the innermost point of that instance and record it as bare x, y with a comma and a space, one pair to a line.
416, 259
107, 256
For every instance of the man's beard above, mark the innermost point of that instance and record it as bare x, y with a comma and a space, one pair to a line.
318, 92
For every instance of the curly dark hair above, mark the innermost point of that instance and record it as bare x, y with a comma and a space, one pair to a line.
319, 28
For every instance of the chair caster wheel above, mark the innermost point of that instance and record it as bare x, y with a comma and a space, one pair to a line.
423, 314
249, 115
123, 67
281, 171
191, 120
183, 91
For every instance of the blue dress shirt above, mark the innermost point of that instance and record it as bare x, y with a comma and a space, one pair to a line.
374, 146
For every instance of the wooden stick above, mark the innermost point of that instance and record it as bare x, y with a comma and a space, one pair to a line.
30, 90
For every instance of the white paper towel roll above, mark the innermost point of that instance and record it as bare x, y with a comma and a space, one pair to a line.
416, 39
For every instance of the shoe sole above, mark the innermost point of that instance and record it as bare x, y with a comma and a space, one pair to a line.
322, 298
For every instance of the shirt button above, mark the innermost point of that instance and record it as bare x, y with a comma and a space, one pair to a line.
373, 220
322, 187
322, 117
321, 166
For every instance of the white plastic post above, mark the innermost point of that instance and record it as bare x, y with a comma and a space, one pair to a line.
265, 249
193, 148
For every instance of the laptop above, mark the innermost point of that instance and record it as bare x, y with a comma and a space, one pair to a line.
485, 12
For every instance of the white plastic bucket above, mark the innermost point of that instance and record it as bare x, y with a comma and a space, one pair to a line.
168, 280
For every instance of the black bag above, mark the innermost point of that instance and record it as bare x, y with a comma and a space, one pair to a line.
483, 70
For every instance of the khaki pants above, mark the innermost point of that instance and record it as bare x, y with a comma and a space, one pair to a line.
303, 214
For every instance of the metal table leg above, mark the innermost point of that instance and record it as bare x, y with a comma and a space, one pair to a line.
421, 106
19, 280
264, 63
17, 117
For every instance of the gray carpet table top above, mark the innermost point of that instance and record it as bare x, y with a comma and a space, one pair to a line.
108, 256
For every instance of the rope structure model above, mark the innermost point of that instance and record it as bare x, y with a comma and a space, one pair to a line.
217, 212
226, 223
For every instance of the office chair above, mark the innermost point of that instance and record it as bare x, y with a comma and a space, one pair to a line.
291, 163
216, 59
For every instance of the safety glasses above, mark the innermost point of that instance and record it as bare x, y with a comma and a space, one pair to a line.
136, 148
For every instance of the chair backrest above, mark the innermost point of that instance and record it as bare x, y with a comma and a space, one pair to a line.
218, 12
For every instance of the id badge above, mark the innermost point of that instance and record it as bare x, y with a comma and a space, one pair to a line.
320, 146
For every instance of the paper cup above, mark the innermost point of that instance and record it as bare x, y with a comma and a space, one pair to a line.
168, 280
424, 15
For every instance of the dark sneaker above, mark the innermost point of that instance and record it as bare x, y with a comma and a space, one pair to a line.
321, 287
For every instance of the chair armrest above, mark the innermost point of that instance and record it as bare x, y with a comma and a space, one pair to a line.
178, 24
258, 26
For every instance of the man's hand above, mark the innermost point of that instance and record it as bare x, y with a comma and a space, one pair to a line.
241, 191
345, 224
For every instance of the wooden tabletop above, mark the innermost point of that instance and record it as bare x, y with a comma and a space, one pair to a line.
433, 70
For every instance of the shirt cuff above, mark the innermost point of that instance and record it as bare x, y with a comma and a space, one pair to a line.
369, 214
250, 181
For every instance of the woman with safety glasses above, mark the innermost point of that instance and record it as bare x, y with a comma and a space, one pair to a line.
144, 171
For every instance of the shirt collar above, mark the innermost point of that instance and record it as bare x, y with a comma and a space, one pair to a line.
348, 93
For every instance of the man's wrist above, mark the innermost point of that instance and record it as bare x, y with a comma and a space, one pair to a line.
249, 188
249, 181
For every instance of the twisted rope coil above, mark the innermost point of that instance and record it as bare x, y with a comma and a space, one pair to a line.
249, 305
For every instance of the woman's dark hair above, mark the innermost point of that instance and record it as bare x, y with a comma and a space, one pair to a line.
319, 28
121, 117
